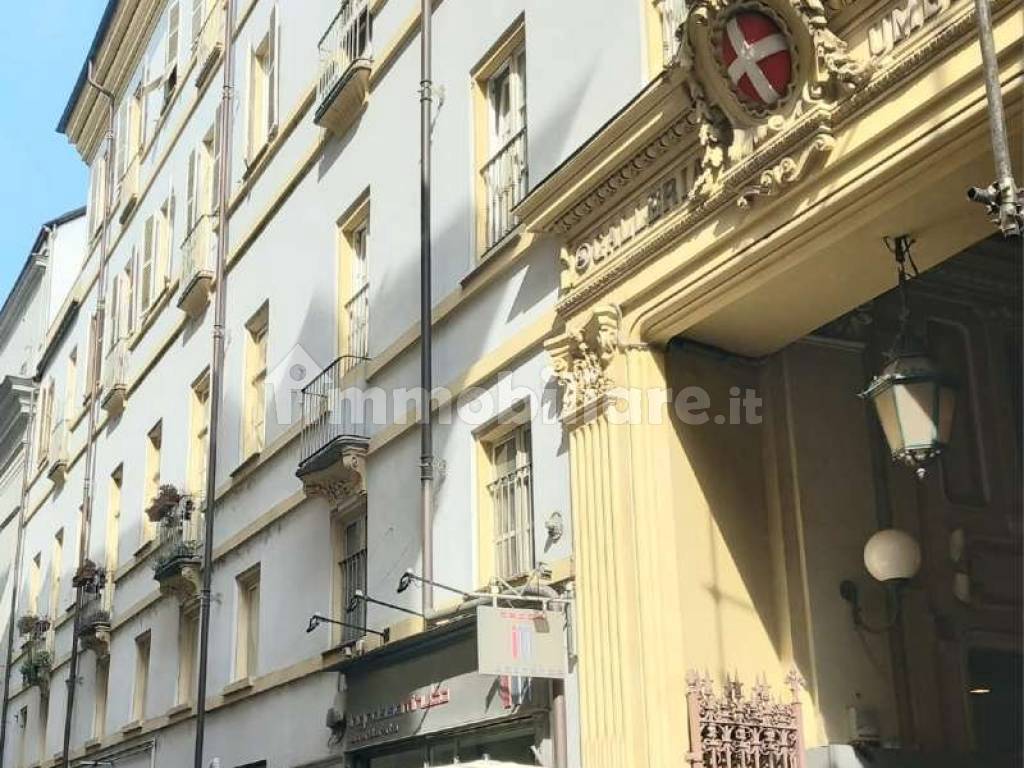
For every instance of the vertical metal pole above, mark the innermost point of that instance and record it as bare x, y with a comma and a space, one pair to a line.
426, 372
1006, 196
216, 374
19, 549
94, 392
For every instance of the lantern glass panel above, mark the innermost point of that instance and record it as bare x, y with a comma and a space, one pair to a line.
885, 405
915, 404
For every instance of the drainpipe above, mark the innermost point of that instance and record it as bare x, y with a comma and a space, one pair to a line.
1002, 198
19, 548
426, 331
94, 391
216, 372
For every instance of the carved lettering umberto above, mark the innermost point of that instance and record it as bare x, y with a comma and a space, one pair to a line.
635, 218
899, 24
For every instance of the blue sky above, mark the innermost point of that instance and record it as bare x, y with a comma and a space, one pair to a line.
42, 47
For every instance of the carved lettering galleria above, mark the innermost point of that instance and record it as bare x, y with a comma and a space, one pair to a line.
900, 23
666, 195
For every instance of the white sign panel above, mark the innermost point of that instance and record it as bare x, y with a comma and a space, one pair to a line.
521, 642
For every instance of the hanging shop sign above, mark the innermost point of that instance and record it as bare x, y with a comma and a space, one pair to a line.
521, 642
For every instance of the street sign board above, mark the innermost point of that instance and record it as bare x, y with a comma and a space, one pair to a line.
521, 642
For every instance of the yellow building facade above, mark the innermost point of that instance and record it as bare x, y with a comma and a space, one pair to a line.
725, 232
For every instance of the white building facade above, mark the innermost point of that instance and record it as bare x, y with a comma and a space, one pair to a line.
316, 506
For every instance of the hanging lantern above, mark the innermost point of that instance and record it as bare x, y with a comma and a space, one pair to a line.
913, 399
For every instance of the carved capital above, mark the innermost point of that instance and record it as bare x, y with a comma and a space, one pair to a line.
580, 359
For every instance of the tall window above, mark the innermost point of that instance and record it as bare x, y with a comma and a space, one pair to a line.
200, 429
154, 443
263, 87
155, 251
171, 53
350, 551
355, 287
247, 646
511, 496
188, 634
501, 142
113, 527
121, 310
128, 137
56, 566
254, 428
142, 648
71, 385
97, 194
99, 711
45, 419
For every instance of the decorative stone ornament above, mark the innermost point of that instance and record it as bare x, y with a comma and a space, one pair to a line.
580, 360
757, 58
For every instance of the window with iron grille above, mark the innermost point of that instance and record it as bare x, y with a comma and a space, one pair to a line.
505, 170
511, 492
352, 576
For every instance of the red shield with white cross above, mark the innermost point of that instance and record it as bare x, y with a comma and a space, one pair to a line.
757, 57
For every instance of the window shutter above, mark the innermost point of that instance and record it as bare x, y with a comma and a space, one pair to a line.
114, 312
128, 294
215, 171
251, 117
146, 276
190, 195
197, 20
273, 68
173, 32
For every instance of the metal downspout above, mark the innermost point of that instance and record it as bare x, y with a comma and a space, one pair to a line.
426, 340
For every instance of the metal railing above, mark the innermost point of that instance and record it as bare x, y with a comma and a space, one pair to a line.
180, 534
206, 44
197, 250
353, 578
672, 13
506, 182
115, 367
347, 39
328, 411
357, 310
512, 500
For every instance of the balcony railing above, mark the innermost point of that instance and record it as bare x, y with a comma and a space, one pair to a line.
672, 13
506, 183
357, 311
197, 265
207, 43
331, 415
178, 549
115, 375
347, 40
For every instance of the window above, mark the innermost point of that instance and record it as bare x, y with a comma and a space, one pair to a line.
99, 710
188, 634
254, 427
200, 429
113, 527
506, 524
45, 419
350, 553
56, 564
501, 137
35, 583
97, 194
128, 136
263, 88
154, 441
142, 647
122, 305
71, 384
247, 644
171, 54
153, 271
355, 284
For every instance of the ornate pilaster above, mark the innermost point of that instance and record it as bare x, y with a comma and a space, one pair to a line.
630, 651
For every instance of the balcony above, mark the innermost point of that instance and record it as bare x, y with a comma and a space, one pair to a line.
334, 437
94, 625
179, 545
115, 378
128, 189
58, 452
672, 14
346, 58
506, 182
208, 42
197, 267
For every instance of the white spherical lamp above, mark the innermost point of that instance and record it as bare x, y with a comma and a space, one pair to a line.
892, 555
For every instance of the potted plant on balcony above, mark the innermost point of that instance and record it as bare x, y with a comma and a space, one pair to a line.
164, 504
33, 626
89, 577
35, 670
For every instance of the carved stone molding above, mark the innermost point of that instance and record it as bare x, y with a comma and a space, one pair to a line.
580, 360
181, 579
788, 170
341, 477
